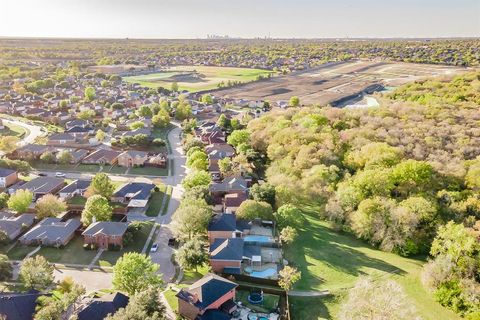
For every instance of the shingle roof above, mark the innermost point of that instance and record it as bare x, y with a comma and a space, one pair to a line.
230, 184
76, 185
223, 222
227, 249
207, 290
42, 184
6, 172
98, 309
106, 227
137, 190
52, 229
18, 306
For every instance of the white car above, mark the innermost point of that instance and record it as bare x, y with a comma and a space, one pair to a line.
59, 174
154, 248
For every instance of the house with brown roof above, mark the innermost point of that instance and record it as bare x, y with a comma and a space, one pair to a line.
102, 157
233, 200
61, 139
132, 158
104, 234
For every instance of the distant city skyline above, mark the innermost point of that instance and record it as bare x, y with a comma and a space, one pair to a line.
192, 19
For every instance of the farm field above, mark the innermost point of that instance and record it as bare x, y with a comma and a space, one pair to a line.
197, 78
333, 82
334, 261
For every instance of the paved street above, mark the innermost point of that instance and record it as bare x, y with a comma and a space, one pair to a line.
34, 131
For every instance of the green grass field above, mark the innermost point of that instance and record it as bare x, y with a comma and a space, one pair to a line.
13, 130
209, 78
334, 261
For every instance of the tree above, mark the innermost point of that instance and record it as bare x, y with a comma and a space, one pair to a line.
64, 157
100, 135
20, 200
288, 276
375, 154
369, 300
197, 160
412, 175
191, 255
161, 120
251, 209
223, 122
8, 143
90, 94
288, 216
6, 269
206, 98
288, 235
36, 273
174, 86
145, 111
3, 199
239, 137
196, 178
143, 305
48, 157
102, 185
191, 218
183, 111
137, 125
97, 208
263, 192
86, 114
49, 206
294, 101
135, 272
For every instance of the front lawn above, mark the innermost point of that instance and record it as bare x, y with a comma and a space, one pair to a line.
109, 258
19, 252
72, 253
334, 261
167, 201
149, 171
77, 200
155, 202
190, 276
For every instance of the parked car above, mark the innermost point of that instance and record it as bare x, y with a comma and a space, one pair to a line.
41, 174
59, 174
154, 248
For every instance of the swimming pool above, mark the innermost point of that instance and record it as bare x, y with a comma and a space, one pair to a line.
267, 273
254, 238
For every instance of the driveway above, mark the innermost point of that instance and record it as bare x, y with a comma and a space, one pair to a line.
91, 280
164, 252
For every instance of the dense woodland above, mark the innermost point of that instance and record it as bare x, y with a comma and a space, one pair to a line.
400, 176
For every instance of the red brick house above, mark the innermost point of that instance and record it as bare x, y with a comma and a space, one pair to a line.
209, 298
8, 177
105, 233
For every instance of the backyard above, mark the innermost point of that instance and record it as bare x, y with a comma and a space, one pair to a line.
334, 261
197, 78
270, 301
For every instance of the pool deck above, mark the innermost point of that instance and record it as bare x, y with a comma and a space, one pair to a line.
244, 312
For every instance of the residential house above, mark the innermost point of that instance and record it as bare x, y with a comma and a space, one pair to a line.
225, 225
103, 234
61, 139
216, 152
102, 157
99, 308
18, 306
228, 185
8, 177
132, 158
75, 188
227, 255
210, 298
14, 225
233, 200
51, 232
158, 161
79, 132
77, 123
31, 151
135, 194
41, 186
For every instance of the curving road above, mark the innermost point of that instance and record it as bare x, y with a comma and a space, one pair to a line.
34, 131
164, 252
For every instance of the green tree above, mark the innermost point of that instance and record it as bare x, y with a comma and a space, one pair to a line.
6, 269
145, 304
145, 111
294, 101
20, 200
174, 86
191, 218
36, 273
64, 157
135, 272
288, 235
192, 255
48, 157
206, 98
197, 160
3, 199
96, 208
196, 178
263, 192
137, 125
251, 209
412, 176
239, 137
288, 276
49, 206
89, 94
161, 120
223, 122
288, 216
102, 185
100, 135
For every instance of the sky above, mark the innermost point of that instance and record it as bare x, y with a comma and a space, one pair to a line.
240, 18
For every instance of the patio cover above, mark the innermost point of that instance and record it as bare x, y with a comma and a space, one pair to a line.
137, 203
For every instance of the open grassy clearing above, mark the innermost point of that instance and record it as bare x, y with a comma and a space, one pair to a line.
206, 77
11, 129
334, 261
72, 253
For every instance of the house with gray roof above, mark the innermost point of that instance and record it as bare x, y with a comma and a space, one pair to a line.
14, 225
51, 232
102, 157
231, 252
41, 186
228, 185
75, 188
18, 306
104, 234
135, 194
99, 308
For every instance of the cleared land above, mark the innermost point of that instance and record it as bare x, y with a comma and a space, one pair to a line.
197, 78
335, 81
334, 261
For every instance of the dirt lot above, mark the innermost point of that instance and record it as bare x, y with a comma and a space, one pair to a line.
330, 83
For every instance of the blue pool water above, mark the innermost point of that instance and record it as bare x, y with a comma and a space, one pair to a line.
270, 272
264, 239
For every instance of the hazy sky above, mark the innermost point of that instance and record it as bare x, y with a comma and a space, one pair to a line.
243, 18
